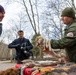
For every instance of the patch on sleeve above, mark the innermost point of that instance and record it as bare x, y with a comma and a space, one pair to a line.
70, 34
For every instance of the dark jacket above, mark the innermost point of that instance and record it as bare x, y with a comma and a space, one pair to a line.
68, 42
17, 43
0, 29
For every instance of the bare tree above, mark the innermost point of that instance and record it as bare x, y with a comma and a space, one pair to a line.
18, 23
31, 15
53, 26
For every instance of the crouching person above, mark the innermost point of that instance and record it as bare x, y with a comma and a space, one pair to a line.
22, 46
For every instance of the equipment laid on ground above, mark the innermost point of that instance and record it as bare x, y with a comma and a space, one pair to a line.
46, 68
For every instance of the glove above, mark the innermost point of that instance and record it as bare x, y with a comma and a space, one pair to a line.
23, 48
25, 51
43, 43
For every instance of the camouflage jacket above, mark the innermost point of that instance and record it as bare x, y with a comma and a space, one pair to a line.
68, 42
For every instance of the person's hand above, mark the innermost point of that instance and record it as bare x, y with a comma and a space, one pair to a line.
45, 45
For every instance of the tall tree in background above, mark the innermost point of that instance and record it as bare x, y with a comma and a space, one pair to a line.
53, 26
53, 8
34, 20
18, 23
32, 13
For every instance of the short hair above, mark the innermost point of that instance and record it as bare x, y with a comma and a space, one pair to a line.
20, 31
2, 9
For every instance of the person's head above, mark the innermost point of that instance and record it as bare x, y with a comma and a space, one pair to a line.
20, 34
2, 12
68, 14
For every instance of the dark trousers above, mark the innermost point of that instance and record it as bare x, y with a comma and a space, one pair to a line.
21, 57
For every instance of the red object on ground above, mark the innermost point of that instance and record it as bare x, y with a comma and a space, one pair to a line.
18, 66
26, 70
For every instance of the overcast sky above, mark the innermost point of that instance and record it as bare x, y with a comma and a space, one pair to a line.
11, 12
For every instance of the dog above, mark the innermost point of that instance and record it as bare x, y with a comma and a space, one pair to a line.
10, 71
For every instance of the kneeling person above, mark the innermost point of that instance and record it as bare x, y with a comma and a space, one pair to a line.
22, 46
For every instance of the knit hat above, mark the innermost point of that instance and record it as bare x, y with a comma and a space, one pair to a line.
69, 12
2, 9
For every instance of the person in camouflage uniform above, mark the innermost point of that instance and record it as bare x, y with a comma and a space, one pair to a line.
68, 42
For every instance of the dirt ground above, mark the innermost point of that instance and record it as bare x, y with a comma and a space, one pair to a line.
6, 64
